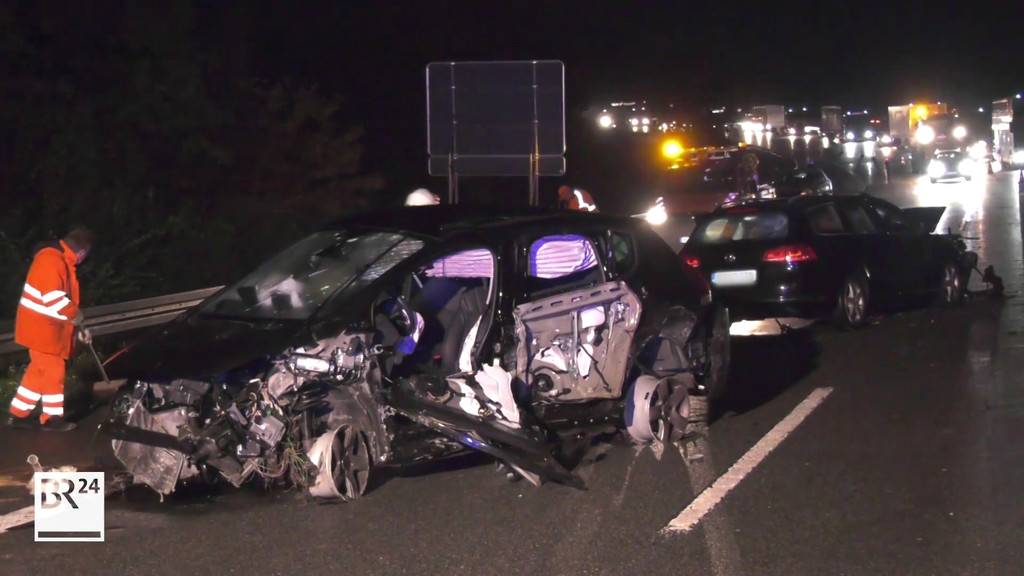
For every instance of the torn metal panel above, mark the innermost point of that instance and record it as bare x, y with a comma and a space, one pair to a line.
576, 346
160, 468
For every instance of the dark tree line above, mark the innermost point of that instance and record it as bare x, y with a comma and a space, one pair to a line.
144, 122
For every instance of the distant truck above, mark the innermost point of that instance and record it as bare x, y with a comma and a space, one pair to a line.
831, 121
860, 127
923, 128
1008, 130
773, 116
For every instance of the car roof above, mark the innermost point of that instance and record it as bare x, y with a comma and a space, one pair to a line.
793, 203
445, 220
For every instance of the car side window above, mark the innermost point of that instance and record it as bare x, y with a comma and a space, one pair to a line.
561, 263
623, 253
825, 219
859, 220
892, 217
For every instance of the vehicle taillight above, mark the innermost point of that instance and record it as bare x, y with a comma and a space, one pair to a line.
790, 253
691, 260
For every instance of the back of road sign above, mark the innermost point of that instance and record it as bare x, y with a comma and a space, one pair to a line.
496, 118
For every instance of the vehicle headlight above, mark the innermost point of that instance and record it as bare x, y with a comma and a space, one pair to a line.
1018, 157
657, 214
959, 132
868, 134
925, 135
936, 169
966, 166
886, 139
850, 135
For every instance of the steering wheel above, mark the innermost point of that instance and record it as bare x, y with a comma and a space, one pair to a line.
399, 315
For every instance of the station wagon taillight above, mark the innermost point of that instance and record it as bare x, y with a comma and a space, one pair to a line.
790, 253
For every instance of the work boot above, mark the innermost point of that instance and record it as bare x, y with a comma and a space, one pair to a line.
57, 424
27, 423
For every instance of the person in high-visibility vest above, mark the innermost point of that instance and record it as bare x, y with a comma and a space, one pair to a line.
47, 320
576, 199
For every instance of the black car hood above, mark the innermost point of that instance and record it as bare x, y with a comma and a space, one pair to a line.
200, 346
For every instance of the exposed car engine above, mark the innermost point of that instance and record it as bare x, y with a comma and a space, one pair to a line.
264, 425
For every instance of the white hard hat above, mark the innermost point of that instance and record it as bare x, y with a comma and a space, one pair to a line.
421, 197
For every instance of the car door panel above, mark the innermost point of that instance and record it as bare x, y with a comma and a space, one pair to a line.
575, 346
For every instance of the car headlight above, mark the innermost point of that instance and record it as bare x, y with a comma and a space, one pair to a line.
966, 166
925, 135
657, 214
868, 134
959, 132
886, 139
1018, 157
850, 135
936, 169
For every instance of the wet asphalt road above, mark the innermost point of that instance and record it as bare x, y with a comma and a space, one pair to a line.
912, 465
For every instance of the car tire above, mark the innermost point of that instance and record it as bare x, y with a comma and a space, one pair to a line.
852, 302
719, 347
351, 462
951, 287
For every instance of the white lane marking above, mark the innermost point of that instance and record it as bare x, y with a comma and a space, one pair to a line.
711, 496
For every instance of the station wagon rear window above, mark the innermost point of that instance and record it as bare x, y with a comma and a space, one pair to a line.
744, 226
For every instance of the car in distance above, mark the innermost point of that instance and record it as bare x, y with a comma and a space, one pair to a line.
824, 256
951, 164
421, 333
805, 181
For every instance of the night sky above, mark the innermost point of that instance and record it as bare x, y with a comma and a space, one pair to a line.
855, 54
864, 54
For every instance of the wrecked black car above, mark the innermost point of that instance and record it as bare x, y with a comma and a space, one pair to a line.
408, 336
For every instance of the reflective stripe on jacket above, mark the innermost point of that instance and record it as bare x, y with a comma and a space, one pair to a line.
49, 302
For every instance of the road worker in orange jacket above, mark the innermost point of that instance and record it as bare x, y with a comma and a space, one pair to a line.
576, 199
47, 318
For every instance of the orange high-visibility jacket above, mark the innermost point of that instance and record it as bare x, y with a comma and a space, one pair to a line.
49, 302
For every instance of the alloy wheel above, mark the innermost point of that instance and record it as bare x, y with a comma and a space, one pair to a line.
951, 285
351, 458
854, 302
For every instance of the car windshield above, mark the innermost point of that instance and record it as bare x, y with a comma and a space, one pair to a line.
296, 282
742, 226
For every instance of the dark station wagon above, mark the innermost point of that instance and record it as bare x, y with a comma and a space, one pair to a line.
821, 255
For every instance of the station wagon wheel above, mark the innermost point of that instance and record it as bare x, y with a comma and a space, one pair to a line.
719, 344
952, 288
852, 308
350, 457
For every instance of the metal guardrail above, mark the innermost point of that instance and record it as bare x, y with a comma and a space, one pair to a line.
114, 318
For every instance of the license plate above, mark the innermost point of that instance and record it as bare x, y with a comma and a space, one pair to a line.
734, 278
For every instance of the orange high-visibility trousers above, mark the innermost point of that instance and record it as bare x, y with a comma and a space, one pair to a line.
43, 380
